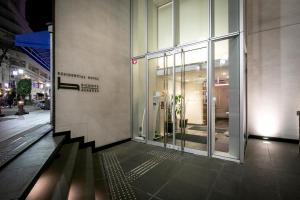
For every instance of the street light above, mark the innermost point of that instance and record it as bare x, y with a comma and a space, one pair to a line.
15, 73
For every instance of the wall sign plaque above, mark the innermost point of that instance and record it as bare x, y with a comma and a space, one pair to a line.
82, 87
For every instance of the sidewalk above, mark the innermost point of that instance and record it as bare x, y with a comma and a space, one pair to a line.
13, 125
13, 110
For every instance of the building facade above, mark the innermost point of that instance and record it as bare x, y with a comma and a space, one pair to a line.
16, 66
173, 73
188, 75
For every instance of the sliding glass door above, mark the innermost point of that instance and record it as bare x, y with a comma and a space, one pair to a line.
191, 131
160, 98
177, 98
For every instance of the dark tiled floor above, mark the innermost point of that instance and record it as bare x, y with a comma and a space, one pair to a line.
271, 171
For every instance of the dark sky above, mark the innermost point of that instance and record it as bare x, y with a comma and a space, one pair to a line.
38, 13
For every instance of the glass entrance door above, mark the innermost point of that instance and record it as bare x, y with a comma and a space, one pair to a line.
178, 105
191, 131
177, 98
160, 99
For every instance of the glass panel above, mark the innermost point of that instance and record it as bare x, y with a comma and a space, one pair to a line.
160, 24
138, 27
160, 99
139, 99
226, 16
193, 20
191, 99
226, 96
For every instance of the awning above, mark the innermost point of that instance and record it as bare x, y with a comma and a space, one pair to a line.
37, 40
37, 46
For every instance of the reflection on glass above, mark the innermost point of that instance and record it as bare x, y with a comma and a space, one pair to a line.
160, 100
138, 27
138, 94
193, 20
226, 96
226, 16
160, 24
191, 99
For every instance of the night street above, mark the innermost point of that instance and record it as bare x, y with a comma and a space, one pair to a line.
13, 125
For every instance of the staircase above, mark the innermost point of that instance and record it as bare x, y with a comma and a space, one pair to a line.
52, 166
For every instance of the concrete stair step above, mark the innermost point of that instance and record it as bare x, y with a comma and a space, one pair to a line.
54, 183
18, 176
82, 185
101, 185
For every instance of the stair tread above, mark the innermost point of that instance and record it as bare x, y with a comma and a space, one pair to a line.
16, 177
12, 147
101, 187
55, 180
82, 186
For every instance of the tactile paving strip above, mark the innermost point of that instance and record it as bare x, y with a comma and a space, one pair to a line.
117, 181
158, 157
166, 155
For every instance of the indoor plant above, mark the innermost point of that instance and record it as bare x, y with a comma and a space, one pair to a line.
178, 110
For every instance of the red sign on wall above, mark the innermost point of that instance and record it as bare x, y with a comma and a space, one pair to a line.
134, 61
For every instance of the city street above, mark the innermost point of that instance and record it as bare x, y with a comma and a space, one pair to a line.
13, 125
12, 111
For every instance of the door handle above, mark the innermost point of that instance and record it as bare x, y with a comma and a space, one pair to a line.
162, 105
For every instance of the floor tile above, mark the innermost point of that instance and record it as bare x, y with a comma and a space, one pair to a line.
180, 190
227, 184
270, 171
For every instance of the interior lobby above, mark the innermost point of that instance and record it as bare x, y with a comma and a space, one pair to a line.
165, 100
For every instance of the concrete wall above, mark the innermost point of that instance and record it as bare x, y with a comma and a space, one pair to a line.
273, 67
92, 37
